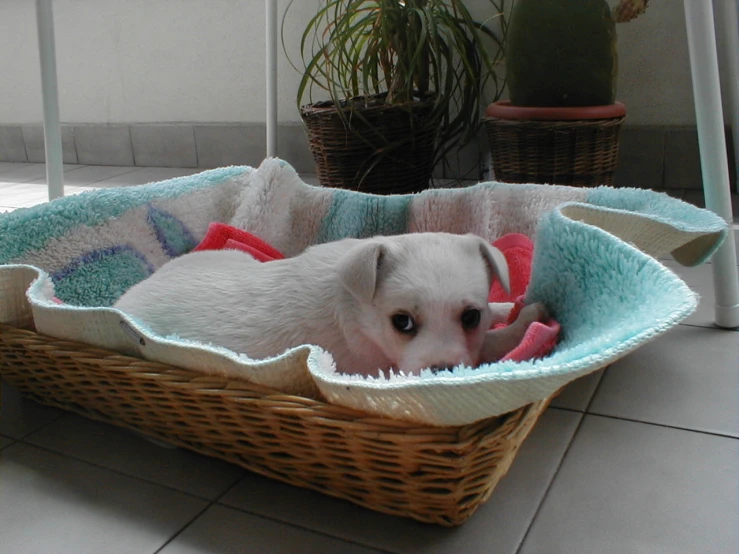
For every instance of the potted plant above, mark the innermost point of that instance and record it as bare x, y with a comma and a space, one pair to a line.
562, 122
403, 84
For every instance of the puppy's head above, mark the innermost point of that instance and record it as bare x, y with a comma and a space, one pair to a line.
422, 298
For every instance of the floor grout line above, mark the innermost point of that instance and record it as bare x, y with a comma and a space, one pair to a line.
650, 423
11, 442
20, 439
583, 415
589, 406
309, 529
184, 527
218, 502
710, 327
92, 184
99, 184
30, 181
551, 483
112, 470
664, 425
133, 169
25, 164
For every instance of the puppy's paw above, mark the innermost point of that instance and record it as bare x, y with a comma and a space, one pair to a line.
501, 311
499, 342
531, 313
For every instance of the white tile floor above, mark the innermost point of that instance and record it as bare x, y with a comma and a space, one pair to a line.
641, 458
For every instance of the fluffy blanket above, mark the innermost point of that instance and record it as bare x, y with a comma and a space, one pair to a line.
594, 266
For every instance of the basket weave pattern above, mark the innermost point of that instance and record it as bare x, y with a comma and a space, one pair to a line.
433, 474
398, 141
575, 153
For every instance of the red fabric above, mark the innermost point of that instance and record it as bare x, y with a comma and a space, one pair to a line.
224, 237
519, 253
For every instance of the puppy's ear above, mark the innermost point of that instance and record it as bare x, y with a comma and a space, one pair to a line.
358, 269
497, 264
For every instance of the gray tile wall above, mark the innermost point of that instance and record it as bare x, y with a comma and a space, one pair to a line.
222, 145
164, 145
12, 145
641, 160
650, 157
103, 144
664, 158
33, 137
159, 145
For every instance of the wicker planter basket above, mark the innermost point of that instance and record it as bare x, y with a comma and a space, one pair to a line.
562, 146
433, 474
388, 150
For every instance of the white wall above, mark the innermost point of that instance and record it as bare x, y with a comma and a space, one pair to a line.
132, 61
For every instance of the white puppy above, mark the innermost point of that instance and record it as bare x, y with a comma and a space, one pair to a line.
406, 302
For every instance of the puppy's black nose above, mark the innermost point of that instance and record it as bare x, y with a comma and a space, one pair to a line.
437, 368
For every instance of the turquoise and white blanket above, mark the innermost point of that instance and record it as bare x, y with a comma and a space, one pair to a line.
594, 267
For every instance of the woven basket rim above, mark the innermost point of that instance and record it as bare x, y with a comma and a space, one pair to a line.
376, 105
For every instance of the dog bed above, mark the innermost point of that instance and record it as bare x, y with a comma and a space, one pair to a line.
609, 295
431, 446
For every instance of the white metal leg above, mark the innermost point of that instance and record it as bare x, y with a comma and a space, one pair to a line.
726, 16
271, 88
52, 127
714, 161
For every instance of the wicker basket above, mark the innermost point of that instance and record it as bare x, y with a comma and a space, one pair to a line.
576, 152
387, 149
433, 474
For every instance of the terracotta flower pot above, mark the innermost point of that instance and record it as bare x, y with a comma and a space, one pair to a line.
558, 145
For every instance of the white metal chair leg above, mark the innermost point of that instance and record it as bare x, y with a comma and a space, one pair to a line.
50, 94
271, 74
714, 161
726, 16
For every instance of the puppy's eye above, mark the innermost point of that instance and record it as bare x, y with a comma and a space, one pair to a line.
403, 323
471, 318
